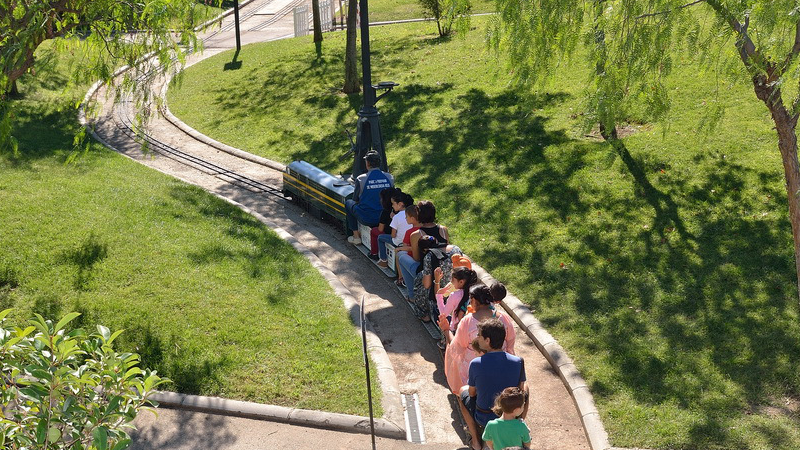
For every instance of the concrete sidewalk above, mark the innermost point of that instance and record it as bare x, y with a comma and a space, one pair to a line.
187, 430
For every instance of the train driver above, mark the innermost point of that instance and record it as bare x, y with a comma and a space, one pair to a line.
365, 207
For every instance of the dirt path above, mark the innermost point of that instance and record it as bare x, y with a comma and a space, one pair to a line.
553, 419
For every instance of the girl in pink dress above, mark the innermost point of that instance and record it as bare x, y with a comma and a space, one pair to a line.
456, 293
459, 351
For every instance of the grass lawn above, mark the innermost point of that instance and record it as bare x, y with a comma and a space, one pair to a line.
207, 295
665, 270
383, 10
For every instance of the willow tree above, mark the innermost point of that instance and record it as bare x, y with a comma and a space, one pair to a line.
116, 34
632, 45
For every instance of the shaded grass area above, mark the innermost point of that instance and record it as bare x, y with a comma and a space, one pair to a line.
665, 268
207, 295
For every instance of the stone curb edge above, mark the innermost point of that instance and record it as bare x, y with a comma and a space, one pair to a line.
299, 417
167, 114
392, 407
560, 362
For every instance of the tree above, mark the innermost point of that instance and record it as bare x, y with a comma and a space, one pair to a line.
317, 21
631, 46
121, 32
448, 13
352, 82
67, 390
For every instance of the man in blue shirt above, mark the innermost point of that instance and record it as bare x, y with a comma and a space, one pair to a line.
488, 376
365, 207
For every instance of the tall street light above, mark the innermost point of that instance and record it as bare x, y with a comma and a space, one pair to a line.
368, 129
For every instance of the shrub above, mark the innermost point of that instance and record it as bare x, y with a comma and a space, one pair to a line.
68, 390
448, 13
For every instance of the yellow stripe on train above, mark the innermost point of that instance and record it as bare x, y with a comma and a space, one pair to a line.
321, 195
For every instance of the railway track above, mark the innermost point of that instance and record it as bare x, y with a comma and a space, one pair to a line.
125, 121
124, 116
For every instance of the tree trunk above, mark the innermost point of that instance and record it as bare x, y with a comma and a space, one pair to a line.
785, 125
351, 82
317, 21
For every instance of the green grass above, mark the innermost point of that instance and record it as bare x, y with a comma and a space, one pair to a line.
207, 295
383, 10
666, 269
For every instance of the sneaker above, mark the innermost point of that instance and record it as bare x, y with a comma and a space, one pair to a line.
383, 263
373, 257
353, 240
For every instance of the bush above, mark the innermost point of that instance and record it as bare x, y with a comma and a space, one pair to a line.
448, 13
68, 390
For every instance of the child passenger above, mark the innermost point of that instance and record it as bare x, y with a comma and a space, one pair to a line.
384, 221
456, 292
508, 431
399, 225
411, 217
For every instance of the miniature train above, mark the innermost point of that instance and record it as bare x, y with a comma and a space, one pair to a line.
323, 195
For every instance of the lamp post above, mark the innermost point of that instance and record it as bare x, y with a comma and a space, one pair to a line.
236, 20
368, 129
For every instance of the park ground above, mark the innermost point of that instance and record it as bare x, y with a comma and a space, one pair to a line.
666, 271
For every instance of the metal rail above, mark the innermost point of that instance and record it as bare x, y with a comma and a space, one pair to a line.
126, 124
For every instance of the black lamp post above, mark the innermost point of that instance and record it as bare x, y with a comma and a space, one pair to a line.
368, 129
236, 19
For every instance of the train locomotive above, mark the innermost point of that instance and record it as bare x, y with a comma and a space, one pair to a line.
323, 195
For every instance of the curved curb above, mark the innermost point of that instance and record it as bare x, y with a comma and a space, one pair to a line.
392, 408
219, 17
390, 400
167, 114
293, 416
560, 362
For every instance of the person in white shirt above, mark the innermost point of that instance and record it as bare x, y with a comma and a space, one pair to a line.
399, 225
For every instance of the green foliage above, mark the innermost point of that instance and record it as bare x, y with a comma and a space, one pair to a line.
68, 390
116, 34
448, 14
633, 45
663, 270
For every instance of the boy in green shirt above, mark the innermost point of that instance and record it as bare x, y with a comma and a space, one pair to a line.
508, 431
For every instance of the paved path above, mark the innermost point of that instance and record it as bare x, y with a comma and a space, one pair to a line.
553, 419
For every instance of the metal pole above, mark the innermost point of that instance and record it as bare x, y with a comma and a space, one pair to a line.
366, 364
236, 18
366, 69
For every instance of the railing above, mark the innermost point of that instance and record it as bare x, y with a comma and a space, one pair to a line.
329, 21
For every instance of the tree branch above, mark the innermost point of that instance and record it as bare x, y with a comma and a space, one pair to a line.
659, 13
747, 50
787, 61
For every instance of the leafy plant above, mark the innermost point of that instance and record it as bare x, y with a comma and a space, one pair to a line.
68, 389
448, 13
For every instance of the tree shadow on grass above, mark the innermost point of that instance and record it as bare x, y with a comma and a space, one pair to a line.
695, 307
85, 257
265, 256
189, 373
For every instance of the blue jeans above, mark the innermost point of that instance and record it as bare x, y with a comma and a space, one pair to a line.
409, 269
383, 239
353, 217
352, 220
